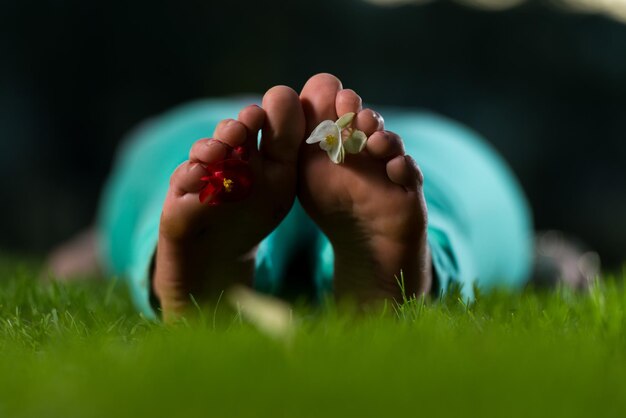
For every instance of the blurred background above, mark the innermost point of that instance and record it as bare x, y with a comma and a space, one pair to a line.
543, 81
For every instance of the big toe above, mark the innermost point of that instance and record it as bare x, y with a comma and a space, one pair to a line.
283, 129
318, 99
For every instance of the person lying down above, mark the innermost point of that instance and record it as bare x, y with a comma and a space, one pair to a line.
223, 191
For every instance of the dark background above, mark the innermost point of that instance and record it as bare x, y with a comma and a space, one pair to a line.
547, 88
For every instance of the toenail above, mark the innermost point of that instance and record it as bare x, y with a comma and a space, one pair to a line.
211, 142
219, 141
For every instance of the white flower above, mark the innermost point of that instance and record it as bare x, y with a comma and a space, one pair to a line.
329, 135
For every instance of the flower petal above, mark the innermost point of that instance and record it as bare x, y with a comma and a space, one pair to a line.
227, 181
336, 154
322, 130
356, 142
345, 120
326, 146
332, 139
206, 192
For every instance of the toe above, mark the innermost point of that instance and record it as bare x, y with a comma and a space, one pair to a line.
231, 132
369, 121
403, 170
252, 117
384, 145
207, 151
318, 98
187, 178
283, 129
348, 101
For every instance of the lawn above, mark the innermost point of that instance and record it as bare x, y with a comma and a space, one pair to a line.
80, 350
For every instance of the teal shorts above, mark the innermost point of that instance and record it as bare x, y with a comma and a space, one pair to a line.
479, 224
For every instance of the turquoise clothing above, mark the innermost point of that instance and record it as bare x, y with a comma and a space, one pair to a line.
479, 226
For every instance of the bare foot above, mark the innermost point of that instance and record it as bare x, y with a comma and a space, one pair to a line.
371, 207
203, 249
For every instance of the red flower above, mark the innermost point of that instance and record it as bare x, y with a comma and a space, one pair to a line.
228, 180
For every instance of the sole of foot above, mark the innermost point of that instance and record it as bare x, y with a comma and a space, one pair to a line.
371, 207
205, 249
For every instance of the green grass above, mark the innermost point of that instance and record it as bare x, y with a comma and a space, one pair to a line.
81, 351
